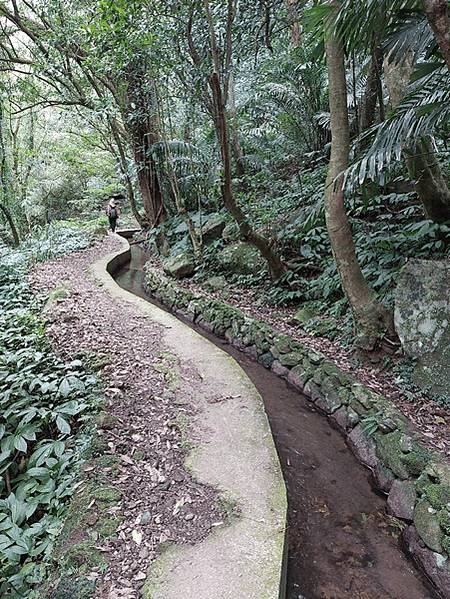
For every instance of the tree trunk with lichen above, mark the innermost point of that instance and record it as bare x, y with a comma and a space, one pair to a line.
438, 15
141, 122
370, 316
4, 184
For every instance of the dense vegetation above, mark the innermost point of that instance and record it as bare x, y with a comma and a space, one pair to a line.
187, 109
335, 169
43, 402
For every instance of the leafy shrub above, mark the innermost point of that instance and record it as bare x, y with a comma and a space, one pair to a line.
56, 239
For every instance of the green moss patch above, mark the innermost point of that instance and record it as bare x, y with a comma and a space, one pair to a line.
74, 588
438, 495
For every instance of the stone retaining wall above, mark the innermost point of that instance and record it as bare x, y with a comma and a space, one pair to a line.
416, 480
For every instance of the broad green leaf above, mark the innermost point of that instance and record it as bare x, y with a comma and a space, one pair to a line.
65, 388
20, 444
63, 425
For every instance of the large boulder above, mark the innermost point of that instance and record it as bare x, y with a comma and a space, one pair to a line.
422, 317
180, 266
240, 258
213, 228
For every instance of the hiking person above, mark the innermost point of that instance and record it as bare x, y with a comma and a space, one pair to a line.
113, 214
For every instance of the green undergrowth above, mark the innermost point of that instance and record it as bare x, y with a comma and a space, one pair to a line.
388, 229
44, 404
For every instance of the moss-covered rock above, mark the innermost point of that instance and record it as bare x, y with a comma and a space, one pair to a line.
438, 495
74, 587
417, 459
390, 450
427, 525
212, 229
266, 360
180, 266
61, 292
291, 359
444, 521
240, 258
303, 315
438, 470
282, 343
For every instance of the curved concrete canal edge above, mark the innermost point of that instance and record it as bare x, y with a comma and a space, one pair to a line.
232, 450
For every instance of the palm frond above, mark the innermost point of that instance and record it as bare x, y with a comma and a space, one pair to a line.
422, 114
411, 35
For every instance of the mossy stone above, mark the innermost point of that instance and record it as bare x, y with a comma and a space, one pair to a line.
438, 471
416, 460
266, 359
364, 395
390, 451
84, 556
315, 358
422, 483
107, 495
444, 521
438, 495
318, 376
74, 587
282, 343
303, 315
427, 525
106, 421
291, 359
61, 292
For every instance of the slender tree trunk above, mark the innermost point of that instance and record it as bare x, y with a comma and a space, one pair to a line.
421, 160
220, 119
4, 184
369, 314
296, 36
371, 90
237, 148
10, 220
123, 162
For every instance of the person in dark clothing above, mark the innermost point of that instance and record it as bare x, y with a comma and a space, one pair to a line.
113, 214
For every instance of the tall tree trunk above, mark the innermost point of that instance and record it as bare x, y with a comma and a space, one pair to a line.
421, 161
142, 140
141, 122
369, 314
296, 36
123, 164
220, 119
10, 220
438, 15
237, 148
371, 92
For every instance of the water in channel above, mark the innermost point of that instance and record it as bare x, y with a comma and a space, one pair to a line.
341, 543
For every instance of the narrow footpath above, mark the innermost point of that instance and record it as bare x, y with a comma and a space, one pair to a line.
196, 504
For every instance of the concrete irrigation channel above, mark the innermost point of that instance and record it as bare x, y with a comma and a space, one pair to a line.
340, 542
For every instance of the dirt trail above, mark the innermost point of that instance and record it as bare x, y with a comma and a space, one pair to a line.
139, 451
